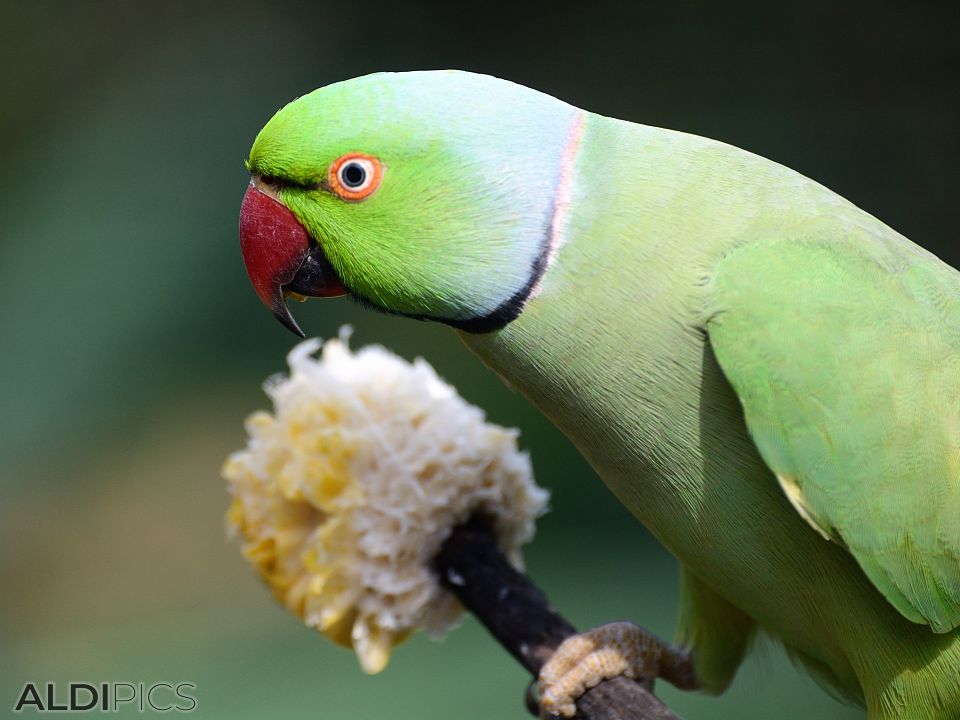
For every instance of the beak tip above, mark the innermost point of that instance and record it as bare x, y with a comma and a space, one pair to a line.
290, 324
282, 313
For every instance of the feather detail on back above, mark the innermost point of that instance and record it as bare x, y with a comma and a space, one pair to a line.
845, 354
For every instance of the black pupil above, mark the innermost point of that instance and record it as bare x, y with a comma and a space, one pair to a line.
353, 175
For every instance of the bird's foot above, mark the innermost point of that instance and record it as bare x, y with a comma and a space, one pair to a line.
619, 648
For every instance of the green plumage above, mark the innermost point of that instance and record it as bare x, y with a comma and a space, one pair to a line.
751, 363
851, 393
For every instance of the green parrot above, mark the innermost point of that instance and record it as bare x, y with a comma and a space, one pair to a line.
767, 376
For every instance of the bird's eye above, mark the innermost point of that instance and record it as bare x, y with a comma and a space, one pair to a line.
355, 176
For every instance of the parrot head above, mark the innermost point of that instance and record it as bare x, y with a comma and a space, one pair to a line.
426, 194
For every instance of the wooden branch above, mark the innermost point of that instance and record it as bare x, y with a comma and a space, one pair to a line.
517, 614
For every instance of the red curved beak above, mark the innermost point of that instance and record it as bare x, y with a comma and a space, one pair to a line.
280, 257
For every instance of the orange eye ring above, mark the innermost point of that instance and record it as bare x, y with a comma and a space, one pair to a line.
355, 176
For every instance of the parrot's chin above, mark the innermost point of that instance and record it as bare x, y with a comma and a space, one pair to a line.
281, 258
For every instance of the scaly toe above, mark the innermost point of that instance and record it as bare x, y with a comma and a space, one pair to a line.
585, 660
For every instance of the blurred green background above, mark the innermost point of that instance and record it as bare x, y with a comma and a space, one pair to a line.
133, 345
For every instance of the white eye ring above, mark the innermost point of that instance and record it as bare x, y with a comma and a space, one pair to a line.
356, 175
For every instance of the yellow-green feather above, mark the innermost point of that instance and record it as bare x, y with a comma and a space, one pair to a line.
615, 349
844, 346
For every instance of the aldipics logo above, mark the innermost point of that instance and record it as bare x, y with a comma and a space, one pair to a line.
158, 697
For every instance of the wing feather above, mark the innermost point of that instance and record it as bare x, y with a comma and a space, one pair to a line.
846, 357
